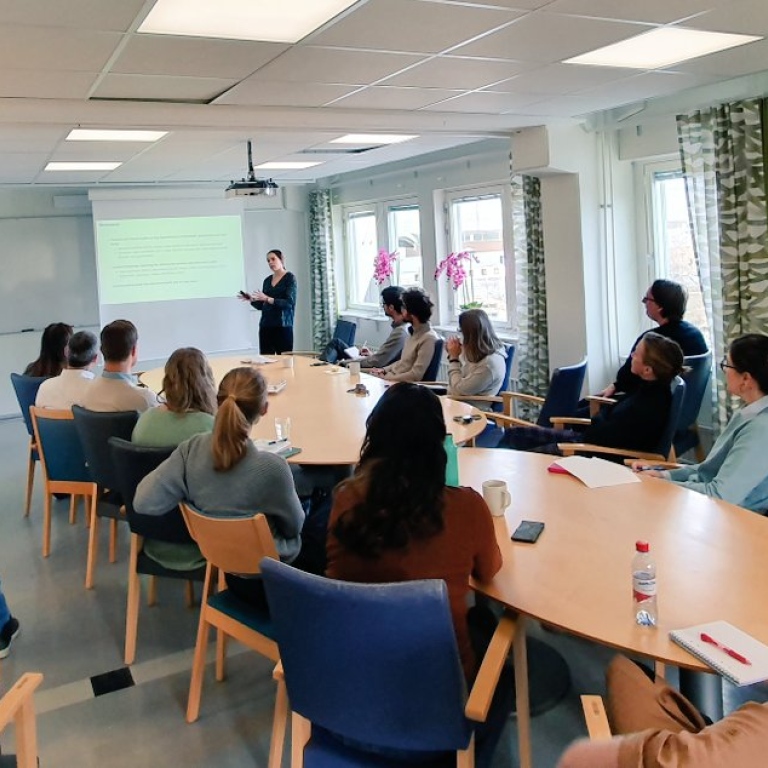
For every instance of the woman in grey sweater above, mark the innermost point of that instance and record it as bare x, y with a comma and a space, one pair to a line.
483, 371
224, 474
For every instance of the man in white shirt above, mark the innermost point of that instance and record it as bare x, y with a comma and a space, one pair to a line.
69, 387
116, 389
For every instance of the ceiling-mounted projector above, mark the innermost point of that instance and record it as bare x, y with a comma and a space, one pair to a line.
251, 185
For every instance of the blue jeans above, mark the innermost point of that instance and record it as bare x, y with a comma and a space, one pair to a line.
5, 613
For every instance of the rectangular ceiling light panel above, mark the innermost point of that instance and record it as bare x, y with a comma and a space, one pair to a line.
92, 134
81, 166
372, 138
661, 48
274, 21
286, 166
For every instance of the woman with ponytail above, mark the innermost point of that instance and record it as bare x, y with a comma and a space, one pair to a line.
223, 473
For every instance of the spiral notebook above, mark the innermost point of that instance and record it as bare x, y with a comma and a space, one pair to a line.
730, 639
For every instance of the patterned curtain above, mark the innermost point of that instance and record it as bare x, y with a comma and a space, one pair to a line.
321, 265
722, 154
533, 346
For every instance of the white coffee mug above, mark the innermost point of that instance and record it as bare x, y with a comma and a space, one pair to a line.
354, 368
287, 361
496, 496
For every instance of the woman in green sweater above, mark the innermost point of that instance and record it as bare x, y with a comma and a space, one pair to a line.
189, 408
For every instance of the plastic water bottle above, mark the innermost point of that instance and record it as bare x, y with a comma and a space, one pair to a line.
644, 586
452, 465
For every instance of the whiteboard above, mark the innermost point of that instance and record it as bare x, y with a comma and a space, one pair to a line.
48, 268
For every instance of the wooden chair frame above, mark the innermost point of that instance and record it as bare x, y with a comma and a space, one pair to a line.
17, 707
88, 490
235, 545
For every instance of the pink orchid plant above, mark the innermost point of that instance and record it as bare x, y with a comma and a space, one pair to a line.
384, 265
453, 266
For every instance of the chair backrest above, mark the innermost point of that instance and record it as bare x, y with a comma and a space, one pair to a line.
234, 544
61, 453
664, 445
510, 350
564, 392
373, 663
345, 331
696, 380
434, 364
95, 428
132, 463
26, 388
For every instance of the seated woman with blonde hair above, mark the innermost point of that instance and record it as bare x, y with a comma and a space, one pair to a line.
484, 366
736, 470
223, 474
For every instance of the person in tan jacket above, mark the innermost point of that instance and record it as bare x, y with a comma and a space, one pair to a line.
657, 727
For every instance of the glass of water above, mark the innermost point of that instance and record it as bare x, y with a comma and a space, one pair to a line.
282, 427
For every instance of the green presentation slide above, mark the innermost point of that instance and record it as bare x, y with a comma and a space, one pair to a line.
195, 257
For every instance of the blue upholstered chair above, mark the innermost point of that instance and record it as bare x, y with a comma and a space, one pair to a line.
434, 364
663, 451
131, 464
26, 388
95, 428
375, 670
345, 331
63, 461
696, 386
238, 545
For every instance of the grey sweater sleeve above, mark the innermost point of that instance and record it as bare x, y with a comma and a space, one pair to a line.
388, 351
282, 507
163, 487
471, 378
424, 351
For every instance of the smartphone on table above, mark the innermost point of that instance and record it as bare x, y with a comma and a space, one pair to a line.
528, 531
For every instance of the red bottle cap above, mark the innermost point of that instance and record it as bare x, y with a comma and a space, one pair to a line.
642, 546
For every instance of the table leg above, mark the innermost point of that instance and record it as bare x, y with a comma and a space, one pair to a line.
520, 658
705, 690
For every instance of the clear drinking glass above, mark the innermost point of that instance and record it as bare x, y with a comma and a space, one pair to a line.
282, 427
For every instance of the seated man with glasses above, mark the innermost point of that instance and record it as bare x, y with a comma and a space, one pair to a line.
665, 303
392, 348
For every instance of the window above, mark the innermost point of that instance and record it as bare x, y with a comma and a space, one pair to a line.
367, 229
477, 227
672, 242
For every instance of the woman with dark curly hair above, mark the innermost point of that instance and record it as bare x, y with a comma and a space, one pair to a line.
396, 520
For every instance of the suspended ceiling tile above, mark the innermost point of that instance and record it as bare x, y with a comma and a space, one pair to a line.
20, 167
48, 84
30, 138
527, 5
655, 11
487, 102
643, 86
562, 78
412, 25
254, 92
747, 17
570, 106
72, 50
308, 64
161, 88
194, 56
81, 14
392, 97
457, 73
550, 37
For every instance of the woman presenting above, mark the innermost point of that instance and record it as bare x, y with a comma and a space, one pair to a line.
277, 302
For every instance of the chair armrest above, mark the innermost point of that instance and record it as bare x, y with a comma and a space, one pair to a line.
278, 672
595, 718
510, 421
595, 401
559, 421
655, 464
523, 396
569, 449
476, 398
481, 695
301, 353
18, 697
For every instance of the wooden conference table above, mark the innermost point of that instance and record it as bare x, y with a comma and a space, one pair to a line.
712, 561
327, 421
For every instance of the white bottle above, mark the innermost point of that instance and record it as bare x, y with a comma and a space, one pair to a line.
644, 586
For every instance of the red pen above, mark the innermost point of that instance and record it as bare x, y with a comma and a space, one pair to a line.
733, 654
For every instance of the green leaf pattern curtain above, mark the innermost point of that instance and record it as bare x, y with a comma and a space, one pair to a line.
531, 286
723, 160
321, 265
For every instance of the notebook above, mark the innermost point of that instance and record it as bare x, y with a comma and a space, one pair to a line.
594, 472
277, 386
732, 638
280, 447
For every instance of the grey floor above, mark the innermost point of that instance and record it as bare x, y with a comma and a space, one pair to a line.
71, 634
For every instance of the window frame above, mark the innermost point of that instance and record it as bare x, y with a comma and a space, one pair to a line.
449, 302
381, 210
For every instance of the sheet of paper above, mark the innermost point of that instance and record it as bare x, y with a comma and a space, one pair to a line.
597, 473
259, 360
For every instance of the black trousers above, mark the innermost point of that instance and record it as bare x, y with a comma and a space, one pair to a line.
276, 340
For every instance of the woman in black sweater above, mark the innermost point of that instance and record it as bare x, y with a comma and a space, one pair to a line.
277, 303
636, 421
